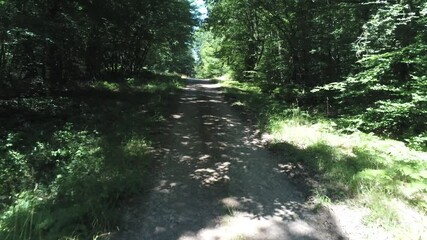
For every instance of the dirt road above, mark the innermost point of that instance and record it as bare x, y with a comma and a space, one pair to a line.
217, 182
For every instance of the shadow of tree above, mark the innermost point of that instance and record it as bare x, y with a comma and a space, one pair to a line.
111, 132
216, 182
341, 175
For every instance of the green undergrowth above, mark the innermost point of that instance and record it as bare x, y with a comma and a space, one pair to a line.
68, 162
359, 167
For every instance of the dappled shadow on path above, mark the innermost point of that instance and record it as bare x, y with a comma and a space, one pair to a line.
215, 181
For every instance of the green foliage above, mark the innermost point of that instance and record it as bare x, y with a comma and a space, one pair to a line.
66, 177
241, 36
362, 62
386, 30
385, 213
282, 44
78, 160
391, 85
50, 46
357, 166
209, 64
14, 172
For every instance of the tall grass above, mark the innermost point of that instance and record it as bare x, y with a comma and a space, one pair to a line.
69, 162
360, 167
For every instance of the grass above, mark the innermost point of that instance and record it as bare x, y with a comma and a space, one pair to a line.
367, 170
230, 212
68, 162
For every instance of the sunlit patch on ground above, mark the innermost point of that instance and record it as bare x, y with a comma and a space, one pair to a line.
231, 202
217, 182
177, 116
164, 186
186, 158
246, 226
205, 157
210, 176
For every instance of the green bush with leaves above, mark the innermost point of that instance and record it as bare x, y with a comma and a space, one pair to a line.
15, 174
362, 62
363, 169
62, 170
67, 164
391, 87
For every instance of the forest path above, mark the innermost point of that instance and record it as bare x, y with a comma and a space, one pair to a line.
216, 182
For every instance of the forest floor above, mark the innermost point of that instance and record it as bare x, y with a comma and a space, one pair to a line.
216, 180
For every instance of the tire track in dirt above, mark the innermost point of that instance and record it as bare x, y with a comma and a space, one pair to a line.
215, 182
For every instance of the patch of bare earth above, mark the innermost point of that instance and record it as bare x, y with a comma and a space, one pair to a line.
216, 181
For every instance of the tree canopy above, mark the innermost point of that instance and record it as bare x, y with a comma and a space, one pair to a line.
361, 58
51, 44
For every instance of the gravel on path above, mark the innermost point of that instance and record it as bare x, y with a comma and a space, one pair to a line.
215, 181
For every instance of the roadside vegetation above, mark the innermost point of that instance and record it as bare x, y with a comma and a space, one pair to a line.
341, 88
361, 64
340, 85
81, 103
346, 164
67, 163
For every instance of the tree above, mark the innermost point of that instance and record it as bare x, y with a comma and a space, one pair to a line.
363, 58
209, 62
52, 44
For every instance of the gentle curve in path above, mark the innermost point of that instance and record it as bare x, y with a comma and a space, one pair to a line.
216, 182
